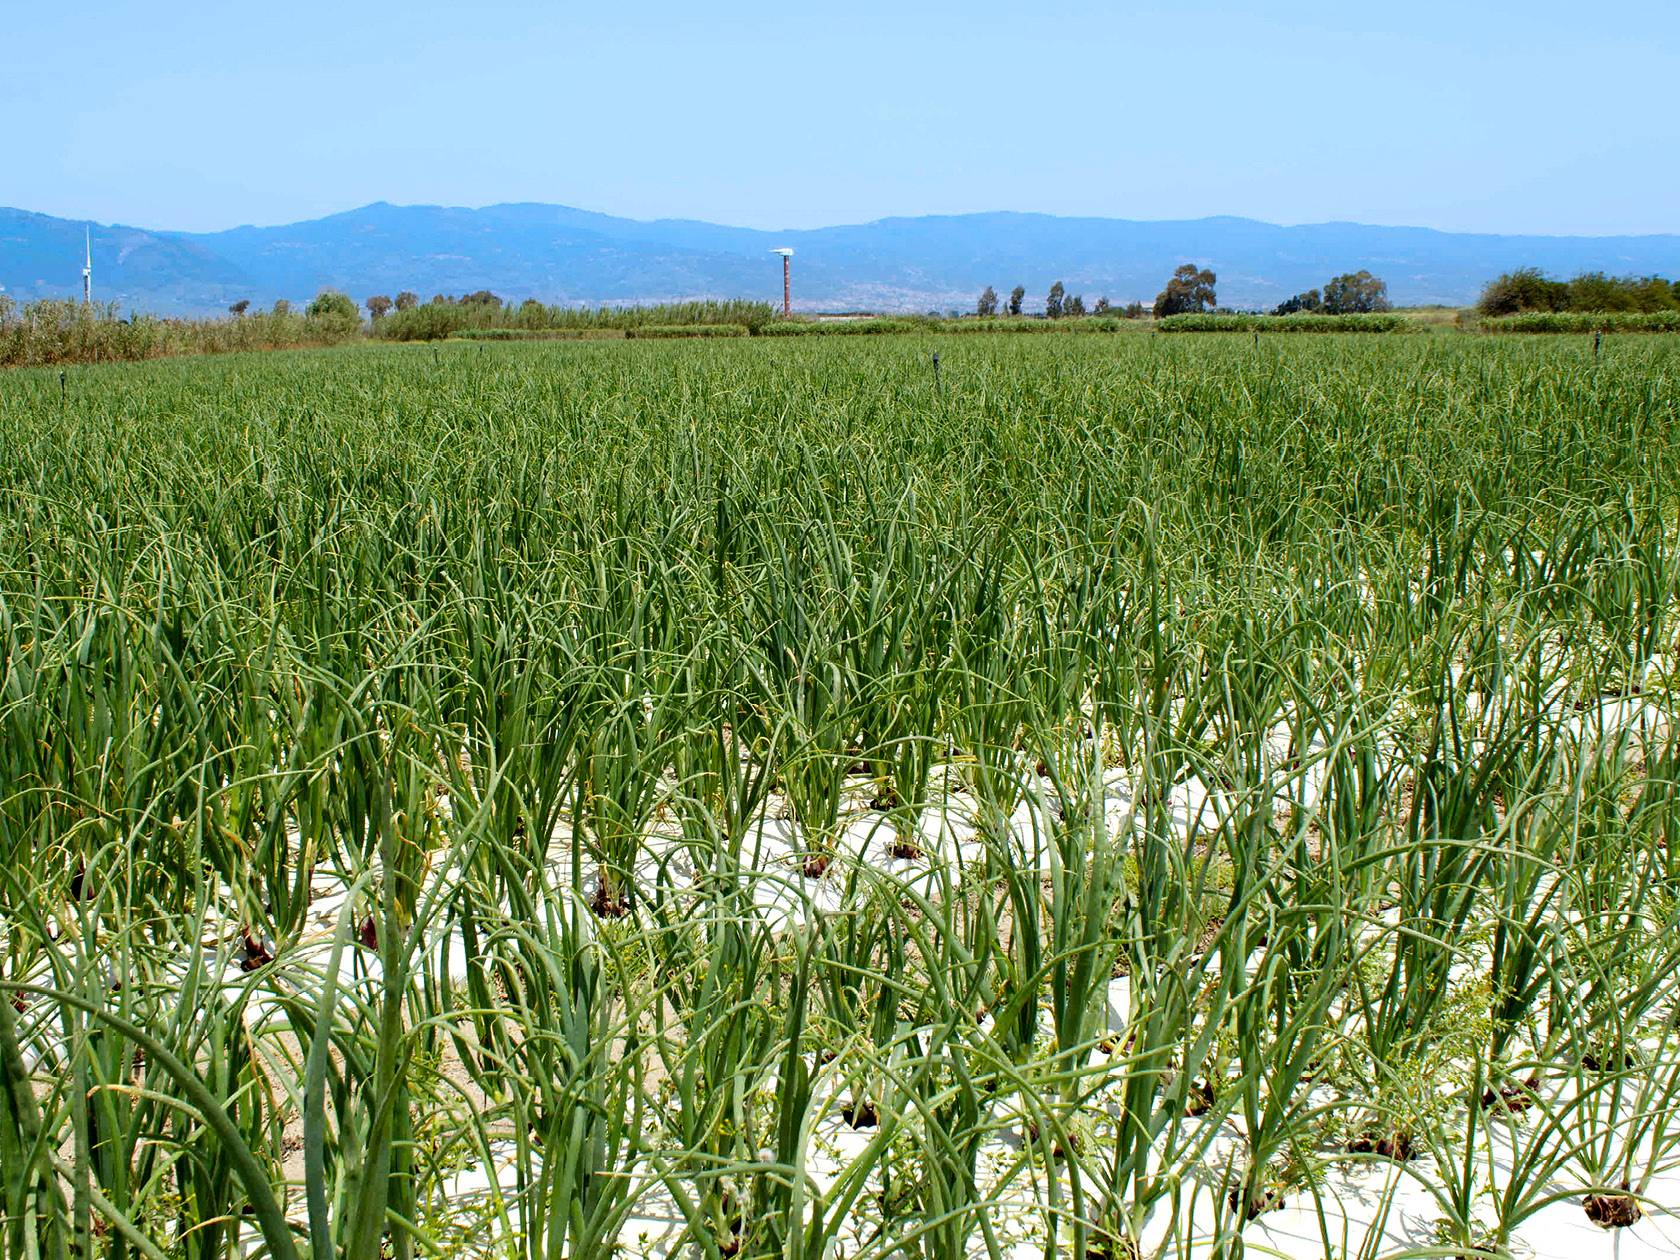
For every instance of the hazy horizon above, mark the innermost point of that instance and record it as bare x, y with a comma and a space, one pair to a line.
1451, 117
873, 219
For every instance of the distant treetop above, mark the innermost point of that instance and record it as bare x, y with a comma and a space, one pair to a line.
1530, 289
1189, 292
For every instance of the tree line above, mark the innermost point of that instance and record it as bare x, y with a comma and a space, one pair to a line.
379, 305
1355, 293
331, 301
1191, 291
1594, 292
1058, 304
328, 304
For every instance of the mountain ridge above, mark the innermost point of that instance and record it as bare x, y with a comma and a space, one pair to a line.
570, 255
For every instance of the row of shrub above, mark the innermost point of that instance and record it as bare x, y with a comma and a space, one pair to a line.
807, 328
1586, 322
1297, 323
537, 334
66, 331
431, 323
923, 323
689, 330
1018, 324
844, 327
443, 317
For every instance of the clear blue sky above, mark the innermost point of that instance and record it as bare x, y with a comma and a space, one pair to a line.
1487, 115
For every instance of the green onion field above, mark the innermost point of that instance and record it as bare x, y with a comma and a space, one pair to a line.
1099, 797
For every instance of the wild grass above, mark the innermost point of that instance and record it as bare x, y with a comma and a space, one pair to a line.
1101, 790
55, 332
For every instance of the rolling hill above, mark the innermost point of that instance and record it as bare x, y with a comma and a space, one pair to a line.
560, 254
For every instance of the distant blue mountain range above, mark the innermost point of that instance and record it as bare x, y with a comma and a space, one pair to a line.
559, 254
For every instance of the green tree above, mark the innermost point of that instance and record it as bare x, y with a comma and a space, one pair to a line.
1653, 293
988, 303
1075, 305
1189, 292
1102, 307
239, 308
1595, 291
331, 304
1356, 293
377, 305
532, 313
1311, 302
482, 297
407, 300
1526, 289
1016, 295
1053, 302
282, 307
